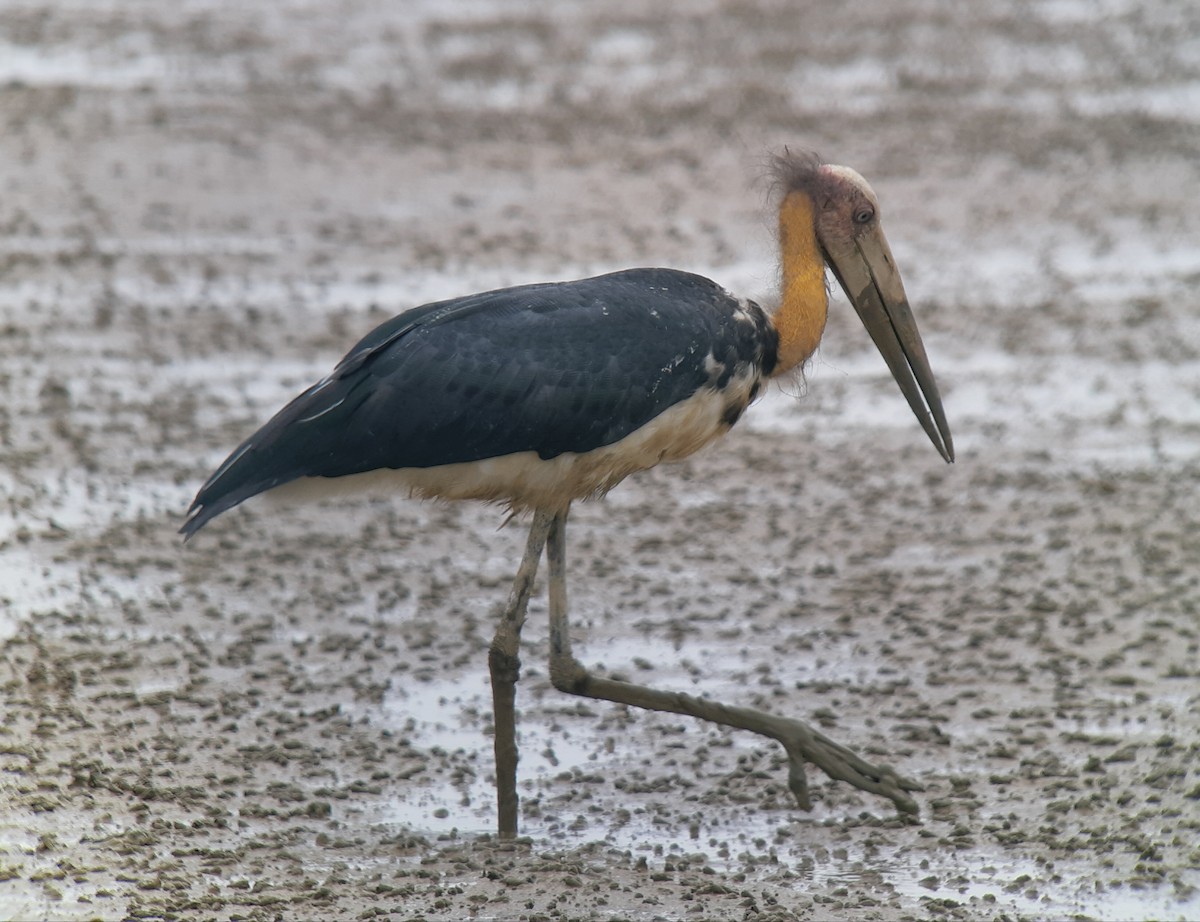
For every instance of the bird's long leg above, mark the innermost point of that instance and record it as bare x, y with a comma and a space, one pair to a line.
504, 663
801, 742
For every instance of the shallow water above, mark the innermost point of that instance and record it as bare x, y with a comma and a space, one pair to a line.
205, 204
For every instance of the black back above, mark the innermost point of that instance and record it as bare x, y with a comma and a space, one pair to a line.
550, 368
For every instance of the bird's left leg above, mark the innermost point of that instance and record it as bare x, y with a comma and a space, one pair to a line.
801, 742
504, 664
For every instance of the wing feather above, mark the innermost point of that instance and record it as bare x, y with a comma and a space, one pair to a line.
550, 368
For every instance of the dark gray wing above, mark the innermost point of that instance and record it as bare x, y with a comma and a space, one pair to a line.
550, 368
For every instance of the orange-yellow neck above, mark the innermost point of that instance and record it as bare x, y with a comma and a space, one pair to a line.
800, 319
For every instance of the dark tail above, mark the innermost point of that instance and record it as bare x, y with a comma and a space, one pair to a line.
241, 476
293, 444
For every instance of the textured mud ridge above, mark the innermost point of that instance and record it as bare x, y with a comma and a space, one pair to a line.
203, 205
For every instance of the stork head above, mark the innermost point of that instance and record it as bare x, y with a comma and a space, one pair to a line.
846, 221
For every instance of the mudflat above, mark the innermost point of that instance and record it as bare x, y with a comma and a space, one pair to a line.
204, 204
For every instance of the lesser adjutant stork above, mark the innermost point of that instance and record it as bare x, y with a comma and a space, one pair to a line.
540, 395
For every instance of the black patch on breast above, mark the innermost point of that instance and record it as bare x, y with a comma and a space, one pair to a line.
733, 412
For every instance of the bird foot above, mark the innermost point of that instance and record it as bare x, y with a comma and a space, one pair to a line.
801, 742
804, 744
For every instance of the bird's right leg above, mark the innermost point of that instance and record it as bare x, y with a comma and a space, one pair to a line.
504, 663
800, 741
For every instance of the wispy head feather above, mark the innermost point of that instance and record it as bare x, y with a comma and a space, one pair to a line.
793, 171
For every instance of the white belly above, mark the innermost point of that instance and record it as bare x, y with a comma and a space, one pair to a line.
525, 481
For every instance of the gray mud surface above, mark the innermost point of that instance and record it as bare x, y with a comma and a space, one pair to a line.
204, 203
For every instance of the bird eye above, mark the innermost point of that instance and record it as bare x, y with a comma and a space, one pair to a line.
864, 215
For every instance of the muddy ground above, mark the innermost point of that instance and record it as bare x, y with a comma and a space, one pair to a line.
203, 204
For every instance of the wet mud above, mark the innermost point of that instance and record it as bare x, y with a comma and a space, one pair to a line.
203, 204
